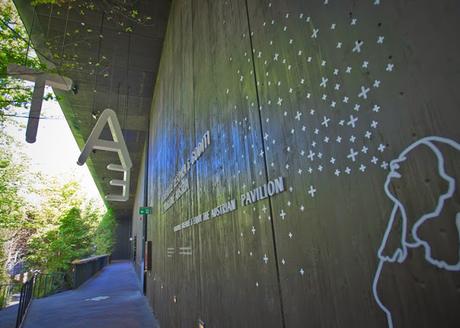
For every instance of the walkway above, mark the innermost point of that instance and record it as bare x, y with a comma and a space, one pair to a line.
8, 316
111, 299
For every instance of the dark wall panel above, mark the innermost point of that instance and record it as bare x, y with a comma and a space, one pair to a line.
354, 104
122, 247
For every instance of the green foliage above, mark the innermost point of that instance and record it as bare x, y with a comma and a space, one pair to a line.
14, 48
57, 248
67, 229
104, 236
11, 203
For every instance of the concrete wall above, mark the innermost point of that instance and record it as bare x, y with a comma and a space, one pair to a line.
325, 94
137, 250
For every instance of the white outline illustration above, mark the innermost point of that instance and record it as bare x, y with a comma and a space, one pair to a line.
401, 253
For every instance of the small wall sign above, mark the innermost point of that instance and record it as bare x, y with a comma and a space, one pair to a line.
145, 210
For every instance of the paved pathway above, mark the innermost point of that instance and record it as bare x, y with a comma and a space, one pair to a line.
110, 299
8, 316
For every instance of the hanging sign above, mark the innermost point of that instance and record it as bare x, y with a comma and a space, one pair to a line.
41, 79
118, 146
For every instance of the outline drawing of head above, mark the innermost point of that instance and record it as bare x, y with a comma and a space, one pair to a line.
400, 254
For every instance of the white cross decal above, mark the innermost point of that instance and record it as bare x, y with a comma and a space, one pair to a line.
380, 39
352, 154
280, 100
301, 271
311, 155
364, 150
374, 124
265, 258
275, 57
348, 70
323, 82
315, 33
362, 168
339, 45
365, 64
352, 121
298, 115
337, 172
374, 160
282, 214
390, 67
363, 93
376, 84
347, 170
264, 209
384, 165
381, 148
358, 45
368, 134
253, 230
376, 108
290, 235
325, 121
332, 161
312, 191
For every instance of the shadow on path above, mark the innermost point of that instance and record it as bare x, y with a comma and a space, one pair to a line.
110, 299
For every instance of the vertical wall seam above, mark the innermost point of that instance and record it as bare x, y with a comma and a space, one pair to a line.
275, 249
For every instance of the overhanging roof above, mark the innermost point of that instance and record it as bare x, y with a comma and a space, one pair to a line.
111, 51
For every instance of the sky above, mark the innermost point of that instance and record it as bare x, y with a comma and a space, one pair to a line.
55, 152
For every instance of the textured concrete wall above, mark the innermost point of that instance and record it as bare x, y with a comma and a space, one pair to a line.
355, 105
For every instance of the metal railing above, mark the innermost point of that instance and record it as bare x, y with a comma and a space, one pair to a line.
8, 294
84, 269
47, 284
24, 302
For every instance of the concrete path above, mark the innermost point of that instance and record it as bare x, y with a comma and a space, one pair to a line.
110, 299
8, 316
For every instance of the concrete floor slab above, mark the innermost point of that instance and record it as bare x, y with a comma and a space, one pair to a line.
110, 299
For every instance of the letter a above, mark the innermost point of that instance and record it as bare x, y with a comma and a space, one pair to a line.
118, 145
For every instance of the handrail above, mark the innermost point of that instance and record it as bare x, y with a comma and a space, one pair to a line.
7, 292
89, 259
85, 268
24, 302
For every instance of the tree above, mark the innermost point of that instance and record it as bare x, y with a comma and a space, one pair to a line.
13, 209
104, 236
15, 48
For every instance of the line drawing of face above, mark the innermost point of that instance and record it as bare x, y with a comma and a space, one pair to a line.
400, 254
